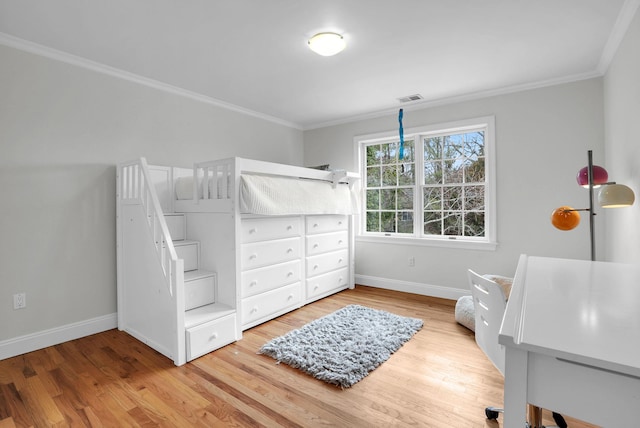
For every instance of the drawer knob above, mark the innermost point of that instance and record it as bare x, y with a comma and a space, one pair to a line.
340, 223
315, 245
315, 267
290, 273
315, 224
289, 250
339, 260
253, 283
289, 227
340, 280
316, 287
290, 297
254, 309
253, 230
213, 336
253, 256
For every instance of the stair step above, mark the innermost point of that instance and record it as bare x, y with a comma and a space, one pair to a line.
199, 288
177, 226
189, 251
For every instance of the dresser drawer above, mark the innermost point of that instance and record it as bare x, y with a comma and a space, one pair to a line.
322, 284
323, 263
260, 254
263, 305
257, 281
326, 223
210, 336
264, 229
323, 243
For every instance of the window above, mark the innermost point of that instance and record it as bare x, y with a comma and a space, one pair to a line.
441, 188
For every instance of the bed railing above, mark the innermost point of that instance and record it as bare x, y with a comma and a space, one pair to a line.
214, 178
135, 187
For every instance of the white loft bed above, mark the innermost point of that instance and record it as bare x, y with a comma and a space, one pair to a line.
207, 252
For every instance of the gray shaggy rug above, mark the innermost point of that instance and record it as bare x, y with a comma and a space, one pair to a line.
343, 347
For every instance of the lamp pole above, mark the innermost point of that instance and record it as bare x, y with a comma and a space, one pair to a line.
591, 213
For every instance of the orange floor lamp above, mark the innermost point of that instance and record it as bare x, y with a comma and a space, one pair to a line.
611, 195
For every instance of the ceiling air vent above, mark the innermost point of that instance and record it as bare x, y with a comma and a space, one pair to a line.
410, 98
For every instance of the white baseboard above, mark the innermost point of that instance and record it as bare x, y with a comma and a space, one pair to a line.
412, 287
42, 339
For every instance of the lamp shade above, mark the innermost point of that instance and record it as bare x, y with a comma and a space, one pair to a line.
600, 176
565, 218
616, 196
327, 44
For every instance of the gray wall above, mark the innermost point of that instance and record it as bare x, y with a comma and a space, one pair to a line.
62, 130
542, 138
622, 113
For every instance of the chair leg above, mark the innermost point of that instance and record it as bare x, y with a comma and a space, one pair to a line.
492, 412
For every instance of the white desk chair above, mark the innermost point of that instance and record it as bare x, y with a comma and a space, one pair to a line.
489, 304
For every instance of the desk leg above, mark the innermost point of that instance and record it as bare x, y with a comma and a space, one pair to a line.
534, 416
515, 388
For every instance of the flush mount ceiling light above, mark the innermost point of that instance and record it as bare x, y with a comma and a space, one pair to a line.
327, 44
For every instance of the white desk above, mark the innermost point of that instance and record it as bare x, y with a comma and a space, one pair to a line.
571, 332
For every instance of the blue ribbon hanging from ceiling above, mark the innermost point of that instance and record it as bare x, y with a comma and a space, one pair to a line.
401, 131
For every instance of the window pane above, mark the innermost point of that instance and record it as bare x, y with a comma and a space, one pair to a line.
388, 221
407, 174
453, 170
374, 155
453, 146
474, 171
405, 222
433, 148
474, 224
373, 199
432, 198
433, 173
373, 221
405, 199
373, 176
474, 198
390, 175
389, 153
452, 223
433, 223
474, 144
388, 201
451, 199
409, 154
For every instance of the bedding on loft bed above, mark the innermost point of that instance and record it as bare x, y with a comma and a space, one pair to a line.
277, 195
267, 195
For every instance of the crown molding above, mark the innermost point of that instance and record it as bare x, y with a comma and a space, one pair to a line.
421, 105
626, 15
37, 49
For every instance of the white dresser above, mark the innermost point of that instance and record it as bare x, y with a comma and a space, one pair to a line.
326, 255
287, 262
271, 265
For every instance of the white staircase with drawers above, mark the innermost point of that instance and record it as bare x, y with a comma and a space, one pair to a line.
165, 298
208, 324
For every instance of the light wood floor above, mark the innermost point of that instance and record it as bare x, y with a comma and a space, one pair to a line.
440, 378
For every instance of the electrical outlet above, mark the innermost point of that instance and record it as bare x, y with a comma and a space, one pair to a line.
412, 261
20, 301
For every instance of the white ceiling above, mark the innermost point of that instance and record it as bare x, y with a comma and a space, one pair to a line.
253, 54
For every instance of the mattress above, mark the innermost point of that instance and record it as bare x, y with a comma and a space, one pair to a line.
270, 195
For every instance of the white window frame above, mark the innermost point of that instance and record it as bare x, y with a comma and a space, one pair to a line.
489, 241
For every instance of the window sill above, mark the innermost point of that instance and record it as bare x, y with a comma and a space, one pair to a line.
423, 242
